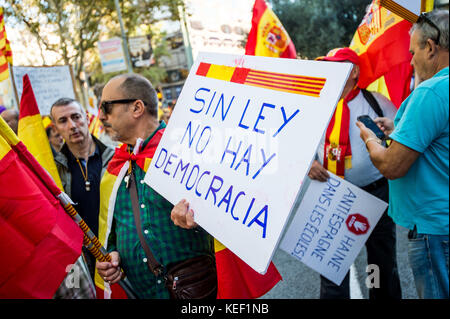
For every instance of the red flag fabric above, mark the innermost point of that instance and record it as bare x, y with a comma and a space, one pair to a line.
267, 36
237, 280
38, 240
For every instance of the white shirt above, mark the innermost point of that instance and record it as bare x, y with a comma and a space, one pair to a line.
362, 172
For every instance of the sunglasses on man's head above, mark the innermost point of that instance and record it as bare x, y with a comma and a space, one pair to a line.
107, 105
423, 18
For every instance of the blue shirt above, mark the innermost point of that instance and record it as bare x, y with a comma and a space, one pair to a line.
421, 196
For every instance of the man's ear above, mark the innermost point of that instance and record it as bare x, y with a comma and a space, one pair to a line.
432, 48
138, 108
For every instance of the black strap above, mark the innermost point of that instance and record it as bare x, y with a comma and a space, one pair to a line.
155, 267
372, 102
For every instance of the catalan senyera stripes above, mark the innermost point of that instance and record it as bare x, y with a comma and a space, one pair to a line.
5, 49
297, 84
399, 10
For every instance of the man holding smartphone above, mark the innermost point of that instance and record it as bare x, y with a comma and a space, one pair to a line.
343, 153
417, 161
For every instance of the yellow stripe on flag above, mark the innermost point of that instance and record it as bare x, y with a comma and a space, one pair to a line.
271, 27
32, 133
147, 164
4, 148
218, 246
335, 133
379, 86
220, 72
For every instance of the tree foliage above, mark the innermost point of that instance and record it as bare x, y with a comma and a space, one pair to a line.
72, 28
317, 26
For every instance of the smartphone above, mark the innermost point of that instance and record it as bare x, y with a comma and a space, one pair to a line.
370, 124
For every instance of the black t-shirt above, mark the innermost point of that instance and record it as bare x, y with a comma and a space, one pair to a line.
87, 203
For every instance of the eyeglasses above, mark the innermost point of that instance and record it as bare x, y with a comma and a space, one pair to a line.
107, 105
423, 17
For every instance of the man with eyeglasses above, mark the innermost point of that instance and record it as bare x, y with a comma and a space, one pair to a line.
81, 163
417, 161
129, 106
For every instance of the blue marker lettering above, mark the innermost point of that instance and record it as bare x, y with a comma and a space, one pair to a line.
285, 121
200, 100
261, 117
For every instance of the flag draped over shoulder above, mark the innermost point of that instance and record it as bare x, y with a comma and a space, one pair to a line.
38, 240
267, 36
32, 132
5, 49
382, 43
115, 172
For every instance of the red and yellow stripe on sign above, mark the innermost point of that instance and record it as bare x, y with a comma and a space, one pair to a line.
297, 84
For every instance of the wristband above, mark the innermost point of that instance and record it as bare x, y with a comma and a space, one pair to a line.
376, 139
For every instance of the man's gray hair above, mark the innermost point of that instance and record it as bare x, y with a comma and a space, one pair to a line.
136, 86
64, 101
440, 19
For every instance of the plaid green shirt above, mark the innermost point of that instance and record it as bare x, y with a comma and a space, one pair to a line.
169, 243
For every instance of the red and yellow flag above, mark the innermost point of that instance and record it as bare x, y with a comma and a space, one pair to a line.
38, 240
5, 49
115, 172
267, 36
95, 125
382, 43
32, 132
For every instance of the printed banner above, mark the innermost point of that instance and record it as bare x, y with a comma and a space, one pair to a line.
331, 225
112, 55
240, 142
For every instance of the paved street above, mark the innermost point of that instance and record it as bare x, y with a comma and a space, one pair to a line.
300, 282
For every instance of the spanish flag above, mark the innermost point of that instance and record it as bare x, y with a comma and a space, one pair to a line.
32, 132
38, 240
115, 172
382, 43
5, 49
267, 36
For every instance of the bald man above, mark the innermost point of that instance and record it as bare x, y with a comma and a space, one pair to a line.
129, 107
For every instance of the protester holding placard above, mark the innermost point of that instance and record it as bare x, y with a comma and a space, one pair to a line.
135, 223
343, 153
417, 160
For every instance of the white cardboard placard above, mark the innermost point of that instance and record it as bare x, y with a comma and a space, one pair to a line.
331, 225
239, 153
49, 84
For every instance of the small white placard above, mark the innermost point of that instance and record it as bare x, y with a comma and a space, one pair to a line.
331, 225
